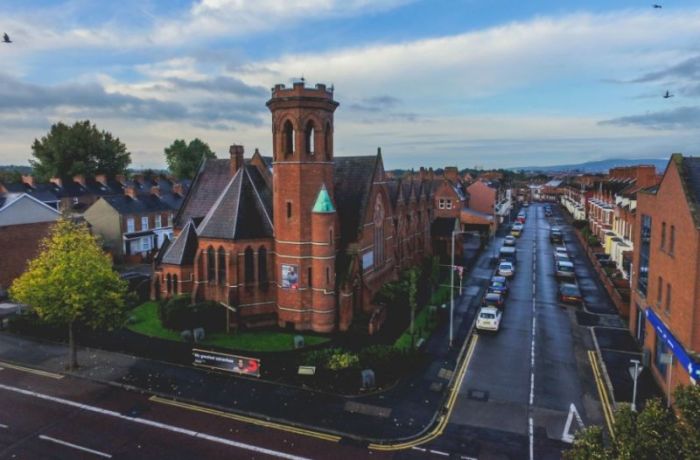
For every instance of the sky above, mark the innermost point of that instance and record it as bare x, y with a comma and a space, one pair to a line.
498, 83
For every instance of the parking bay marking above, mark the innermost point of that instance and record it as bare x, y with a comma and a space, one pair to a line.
75, 446
153, 423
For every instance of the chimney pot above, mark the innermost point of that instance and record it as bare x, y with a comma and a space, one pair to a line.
57, 181
155, 190
28, 179
130, 191
236, 152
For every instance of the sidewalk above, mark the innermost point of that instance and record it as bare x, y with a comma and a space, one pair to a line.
403, 412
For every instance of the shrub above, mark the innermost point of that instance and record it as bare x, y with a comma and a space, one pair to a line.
343, 360
331, 358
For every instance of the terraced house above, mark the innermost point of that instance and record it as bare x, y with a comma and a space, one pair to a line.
303, 239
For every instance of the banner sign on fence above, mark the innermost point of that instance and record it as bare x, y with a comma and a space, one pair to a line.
226, 362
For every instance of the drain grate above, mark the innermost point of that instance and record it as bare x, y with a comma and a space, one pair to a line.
478, 395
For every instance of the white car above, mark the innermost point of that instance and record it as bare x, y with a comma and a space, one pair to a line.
561, 250
509, 240
506, 269
489, 319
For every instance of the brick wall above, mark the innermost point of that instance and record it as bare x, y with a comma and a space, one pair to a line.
19, 243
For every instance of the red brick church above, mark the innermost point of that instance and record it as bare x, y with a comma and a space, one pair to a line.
303, 239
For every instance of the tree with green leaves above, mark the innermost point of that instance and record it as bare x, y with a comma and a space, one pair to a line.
78, 149
184, 159
655, 433
71, 282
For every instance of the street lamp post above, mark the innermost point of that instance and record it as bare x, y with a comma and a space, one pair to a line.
635, 371
452, 284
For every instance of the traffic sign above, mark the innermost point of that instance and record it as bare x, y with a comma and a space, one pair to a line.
635, 369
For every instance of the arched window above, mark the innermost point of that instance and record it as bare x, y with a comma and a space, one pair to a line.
289, 209
249, 267
288, 138
176, 289
378, 232
262, 268
211, 265
330, 237
310, 277
222, 265
310, 138
327, 141
168, 284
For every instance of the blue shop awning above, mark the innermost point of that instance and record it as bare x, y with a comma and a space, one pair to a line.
691, 366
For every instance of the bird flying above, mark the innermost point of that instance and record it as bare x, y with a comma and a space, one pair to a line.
668, 95
6, 38
656, 5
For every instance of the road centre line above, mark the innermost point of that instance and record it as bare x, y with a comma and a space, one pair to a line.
74, 446
152, 423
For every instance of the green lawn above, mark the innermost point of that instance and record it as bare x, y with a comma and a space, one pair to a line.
147, 323
423, 327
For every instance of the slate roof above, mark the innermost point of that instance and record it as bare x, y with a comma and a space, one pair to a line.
213, 176
144, 202
393, 186
353, 182
242, 211
183, 249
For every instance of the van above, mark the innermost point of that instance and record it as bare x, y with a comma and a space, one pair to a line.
508, 254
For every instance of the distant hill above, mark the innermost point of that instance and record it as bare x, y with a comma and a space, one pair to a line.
601, 166
21, 168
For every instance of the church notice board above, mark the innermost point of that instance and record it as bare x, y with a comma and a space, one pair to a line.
226, 362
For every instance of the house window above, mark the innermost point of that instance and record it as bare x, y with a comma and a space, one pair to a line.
159, 221
327, 142
660, 292
249, 266
644, 254
442, 203
130, 226
144, 223
672, 240
222, 265
170, 220
661, 349
145, 244
663, 235
211, 265
176, 286
668, 298
262, 268
448, 204
168, 284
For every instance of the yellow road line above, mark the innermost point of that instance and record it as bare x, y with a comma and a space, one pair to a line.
16, 367
604, 400
445, 418
245, 419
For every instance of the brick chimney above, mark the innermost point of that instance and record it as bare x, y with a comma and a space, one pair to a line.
57, 181
451, 173
236, 152
80, 179
130, 191
28, 179
155, 190
102, 179
177, 188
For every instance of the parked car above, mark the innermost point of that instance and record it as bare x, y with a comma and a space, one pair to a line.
560, 250
526, 204
556, 236
500, 287
508, 254
489, 319
570, 293
506, 269
499, 279
493, 299
521, 219
561, 256
509, 240
565, 270
517, 229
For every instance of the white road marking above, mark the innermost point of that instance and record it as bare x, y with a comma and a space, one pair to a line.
75, 446
566, 436
151, 423
531, 434
3, 426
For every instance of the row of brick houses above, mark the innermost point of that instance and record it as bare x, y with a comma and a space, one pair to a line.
650, 226
304, 239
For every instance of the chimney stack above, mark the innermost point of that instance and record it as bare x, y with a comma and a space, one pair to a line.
236, 152
451, 173
130, 191
155, 190
28, 179
102, 179
177, 188
57, 181
121, 178
80, 179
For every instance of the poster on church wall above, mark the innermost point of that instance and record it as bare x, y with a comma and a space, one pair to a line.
367, 260
290, 276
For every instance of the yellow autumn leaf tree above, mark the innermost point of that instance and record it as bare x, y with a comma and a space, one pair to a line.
71, 282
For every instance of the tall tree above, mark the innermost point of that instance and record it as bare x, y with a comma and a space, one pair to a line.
79, 149
71, 282
183, 159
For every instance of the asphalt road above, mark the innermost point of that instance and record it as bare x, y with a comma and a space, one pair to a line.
521, 382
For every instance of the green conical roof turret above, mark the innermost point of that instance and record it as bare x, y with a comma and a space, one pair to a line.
323, 203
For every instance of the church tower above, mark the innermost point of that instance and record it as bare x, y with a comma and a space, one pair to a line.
305, 218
